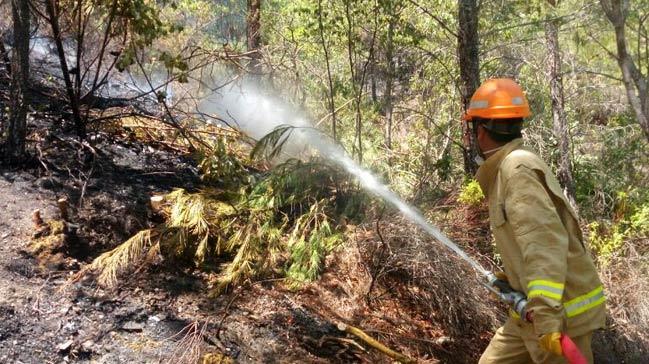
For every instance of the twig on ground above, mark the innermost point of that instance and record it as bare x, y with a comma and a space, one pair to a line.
410, 338
225, 313
36, 306
374, 343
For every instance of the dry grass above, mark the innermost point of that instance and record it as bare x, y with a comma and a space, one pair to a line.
189, 344
434, 279
435, 287
626, 278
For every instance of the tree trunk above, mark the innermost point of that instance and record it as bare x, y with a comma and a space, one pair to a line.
253, 34
559, 122
4, 56
357, 86
17, 128
373, 71
635, 82
389, 79
51, 7
469, 62
358, 75
332, 107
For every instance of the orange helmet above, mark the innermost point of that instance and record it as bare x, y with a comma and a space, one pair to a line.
498, 98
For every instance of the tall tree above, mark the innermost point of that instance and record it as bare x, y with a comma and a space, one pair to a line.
358, 62
389, 77
325, 48
469, 63
559, 122
635, 82
17, 127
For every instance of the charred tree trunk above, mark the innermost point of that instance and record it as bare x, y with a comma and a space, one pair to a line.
51, 7
559, 122
469, 70
253, 34
17, 127
4, 55
635, 82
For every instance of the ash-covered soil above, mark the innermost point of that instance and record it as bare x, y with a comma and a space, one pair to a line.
44, 318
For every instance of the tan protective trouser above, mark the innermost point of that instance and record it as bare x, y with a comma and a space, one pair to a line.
516, 343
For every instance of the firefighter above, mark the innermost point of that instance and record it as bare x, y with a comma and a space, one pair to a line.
537, 235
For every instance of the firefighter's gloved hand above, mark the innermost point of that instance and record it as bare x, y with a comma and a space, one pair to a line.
551, 342
501, 275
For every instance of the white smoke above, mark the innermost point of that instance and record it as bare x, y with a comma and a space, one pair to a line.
244, 106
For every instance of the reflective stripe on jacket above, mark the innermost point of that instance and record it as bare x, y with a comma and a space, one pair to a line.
541, 245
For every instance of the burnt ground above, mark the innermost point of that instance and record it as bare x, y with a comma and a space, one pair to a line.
44, 319
159, 316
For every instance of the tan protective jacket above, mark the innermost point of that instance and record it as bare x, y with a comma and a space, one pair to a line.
538, 237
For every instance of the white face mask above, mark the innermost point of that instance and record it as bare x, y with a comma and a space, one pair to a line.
478, 160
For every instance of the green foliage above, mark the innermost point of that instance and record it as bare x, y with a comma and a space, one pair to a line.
639, 221
608, 240
605, 242
283, 221
308, 251
621, 149
471, 194
270, 146
139, 22
175, 64
220, 165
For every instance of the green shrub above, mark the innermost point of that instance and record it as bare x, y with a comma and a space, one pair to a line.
609, 239
622, 149
471, 194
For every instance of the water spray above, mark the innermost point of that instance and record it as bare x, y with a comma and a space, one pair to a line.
258, 115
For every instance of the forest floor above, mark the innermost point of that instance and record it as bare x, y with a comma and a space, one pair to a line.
162, 314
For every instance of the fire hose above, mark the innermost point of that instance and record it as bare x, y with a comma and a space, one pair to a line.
518, 303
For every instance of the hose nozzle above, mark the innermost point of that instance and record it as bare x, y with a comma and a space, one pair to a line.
501, 288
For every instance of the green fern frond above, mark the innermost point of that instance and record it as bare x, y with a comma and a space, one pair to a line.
270, 146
